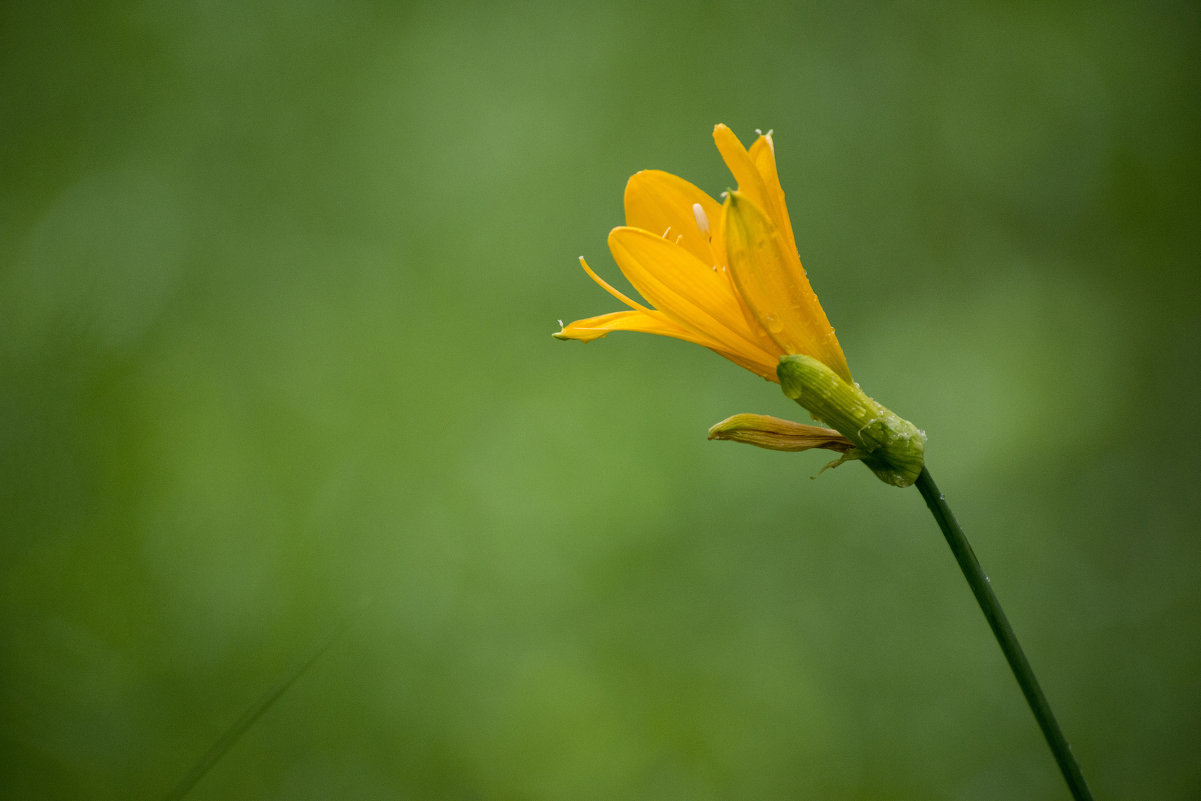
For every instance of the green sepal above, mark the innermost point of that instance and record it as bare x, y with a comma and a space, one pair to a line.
892, 447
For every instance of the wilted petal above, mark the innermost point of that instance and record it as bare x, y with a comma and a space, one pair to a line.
776, 434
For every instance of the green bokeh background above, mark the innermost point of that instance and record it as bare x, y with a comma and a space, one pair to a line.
277, 282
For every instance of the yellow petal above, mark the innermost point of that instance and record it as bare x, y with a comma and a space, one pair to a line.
647, 322
763, 155
662, 203
745, 172
770, 278
759, 363
654, 322
687, 290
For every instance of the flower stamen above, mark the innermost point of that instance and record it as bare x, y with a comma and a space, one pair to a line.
702, 221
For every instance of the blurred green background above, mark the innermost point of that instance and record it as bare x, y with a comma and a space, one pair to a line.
277, 284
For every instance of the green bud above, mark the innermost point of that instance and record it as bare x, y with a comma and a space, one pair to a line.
892, 447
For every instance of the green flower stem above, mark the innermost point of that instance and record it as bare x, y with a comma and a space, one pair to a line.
1001, 629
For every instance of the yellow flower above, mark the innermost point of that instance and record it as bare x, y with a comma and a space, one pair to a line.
728, 277
725, 276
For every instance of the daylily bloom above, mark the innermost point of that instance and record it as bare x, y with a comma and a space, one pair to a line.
726, 276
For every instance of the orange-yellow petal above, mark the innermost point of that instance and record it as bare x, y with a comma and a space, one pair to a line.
654, 322
763, 155
662, 203
761, 364
692, 293
647, 322
745, 172
769, 277
643, 319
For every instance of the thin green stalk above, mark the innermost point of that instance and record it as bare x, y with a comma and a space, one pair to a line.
1001, 629
248, 718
